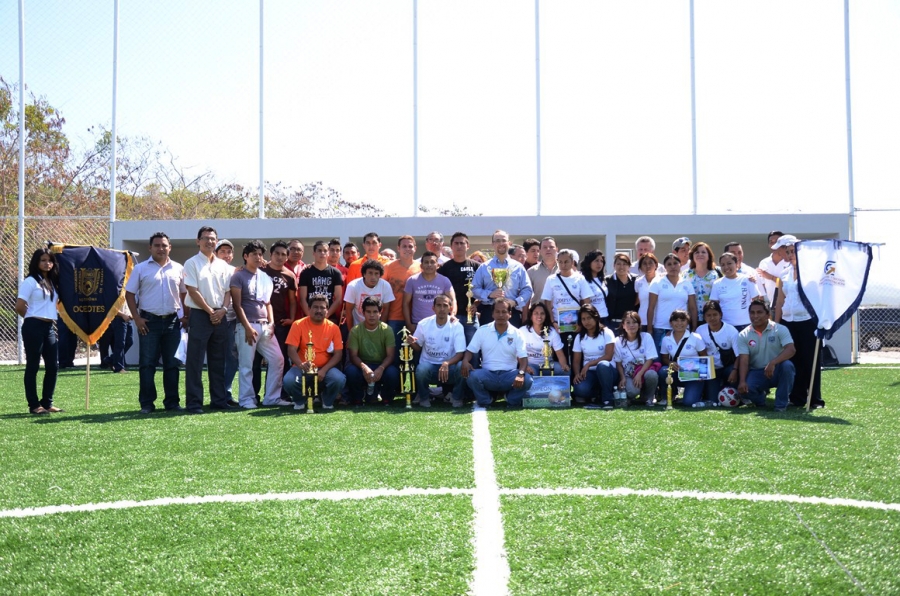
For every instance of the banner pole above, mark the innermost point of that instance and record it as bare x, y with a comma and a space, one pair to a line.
812, 375
87, 378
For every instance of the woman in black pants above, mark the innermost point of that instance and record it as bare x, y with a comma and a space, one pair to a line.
36, 303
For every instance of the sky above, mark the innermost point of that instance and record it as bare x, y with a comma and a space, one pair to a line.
615, 98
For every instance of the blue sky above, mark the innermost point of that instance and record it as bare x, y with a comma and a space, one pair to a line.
615, 97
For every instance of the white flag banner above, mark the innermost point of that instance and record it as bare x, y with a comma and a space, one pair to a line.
832, 277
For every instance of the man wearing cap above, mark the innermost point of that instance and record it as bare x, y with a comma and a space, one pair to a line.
682, 248
771, 268
207, 280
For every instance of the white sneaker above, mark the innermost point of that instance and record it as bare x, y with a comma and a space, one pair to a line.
250, 406
299, 406
327, 407
425, 403
282, 402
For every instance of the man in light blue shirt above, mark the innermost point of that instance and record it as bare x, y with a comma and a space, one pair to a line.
516, 287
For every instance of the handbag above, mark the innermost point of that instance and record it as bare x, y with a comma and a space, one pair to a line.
728, 356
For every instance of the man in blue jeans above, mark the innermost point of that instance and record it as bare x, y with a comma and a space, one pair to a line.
765, 349
155, 294
504, 359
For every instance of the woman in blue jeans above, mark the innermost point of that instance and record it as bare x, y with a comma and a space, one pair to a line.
36, 303
592, 355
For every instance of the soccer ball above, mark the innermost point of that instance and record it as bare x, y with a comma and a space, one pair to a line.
728, 397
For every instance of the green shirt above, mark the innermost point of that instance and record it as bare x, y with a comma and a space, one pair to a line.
763, 348
371, 345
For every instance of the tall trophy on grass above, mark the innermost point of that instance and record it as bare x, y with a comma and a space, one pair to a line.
547, 352
407, 370
310, 379
669, 381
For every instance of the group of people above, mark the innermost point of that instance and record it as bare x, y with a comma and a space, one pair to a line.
476, 329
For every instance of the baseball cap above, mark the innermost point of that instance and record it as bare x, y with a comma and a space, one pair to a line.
681, 242
786, 240
224, 242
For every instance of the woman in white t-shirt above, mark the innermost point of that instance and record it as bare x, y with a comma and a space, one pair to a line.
592, 356
634, 355
36, 303
533, 332
668, 294
681, 343
564, 293
648, 265
719, 336
734, 293
593, 270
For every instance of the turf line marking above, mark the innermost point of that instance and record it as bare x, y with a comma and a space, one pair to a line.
829, 551
337, 495
491, 576
702, 496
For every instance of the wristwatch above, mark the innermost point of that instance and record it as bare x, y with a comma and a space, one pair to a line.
522, 373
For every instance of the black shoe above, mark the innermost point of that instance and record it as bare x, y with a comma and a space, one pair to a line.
175, 409
195, 411
147, 410
228, 405
233, 403
592, 406
607, 405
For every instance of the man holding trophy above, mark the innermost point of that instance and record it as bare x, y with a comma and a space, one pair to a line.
501, 277
315, 347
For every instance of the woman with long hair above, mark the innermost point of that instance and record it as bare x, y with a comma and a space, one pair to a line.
36, 303
668, 294
622, 295
592, 365
634, 355
702, 273
681, 343
721, 342
539, 324
647, 265
564, 293
734, 293
593, 270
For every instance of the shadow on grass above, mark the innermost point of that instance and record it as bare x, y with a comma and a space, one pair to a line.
794, 415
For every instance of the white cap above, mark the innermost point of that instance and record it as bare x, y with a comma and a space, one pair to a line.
786, 240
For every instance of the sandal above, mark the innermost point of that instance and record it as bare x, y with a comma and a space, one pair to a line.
39, 411
54, 409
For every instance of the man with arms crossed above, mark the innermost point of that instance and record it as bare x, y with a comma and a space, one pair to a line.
442, 345
764, 352
207, 281
321, 278
504, 358
251, 295
328, 347
155, 294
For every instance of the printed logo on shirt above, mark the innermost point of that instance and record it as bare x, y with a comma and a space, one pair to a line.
752, 343
509, 341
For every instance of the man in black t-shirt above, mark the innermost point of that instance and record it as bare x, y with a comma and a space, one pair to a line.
460, 270
321, 278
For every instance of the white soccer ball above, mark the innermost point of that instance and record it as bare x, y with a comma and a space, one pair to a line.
729, 398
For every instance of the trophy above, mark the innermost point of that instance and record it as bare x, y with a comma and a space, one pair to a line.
500, 277
546, 367
407, 370
310, 379
669, 381
469, 296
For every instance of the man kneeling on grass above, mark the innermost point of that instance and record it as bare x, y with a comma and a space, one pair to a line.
765, 349
372, 348
328, 347
442, 342
504, 359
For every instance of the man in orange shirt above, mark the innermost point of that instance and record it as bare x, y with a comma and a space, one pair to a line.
396, 273
328, 347
372, 246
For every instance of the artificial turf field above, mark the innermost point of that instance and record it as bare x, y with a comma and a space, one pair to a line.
704, 505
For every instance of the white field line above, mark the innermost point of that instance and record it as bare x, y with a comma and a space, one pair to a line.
337, 495
357, 495
491, 576
702, 496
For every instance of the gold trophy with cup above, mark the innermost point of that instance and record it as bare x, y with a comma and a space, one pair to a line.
310, 379
407, 370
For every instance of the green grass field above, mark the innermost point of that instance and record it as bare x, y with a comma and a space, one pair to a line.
390, 542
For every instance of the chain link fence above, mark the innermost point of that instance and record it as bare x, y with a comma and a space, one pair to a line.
87, 230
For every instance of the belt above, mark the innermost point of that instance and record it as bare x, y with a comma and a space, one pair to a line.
149, 315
